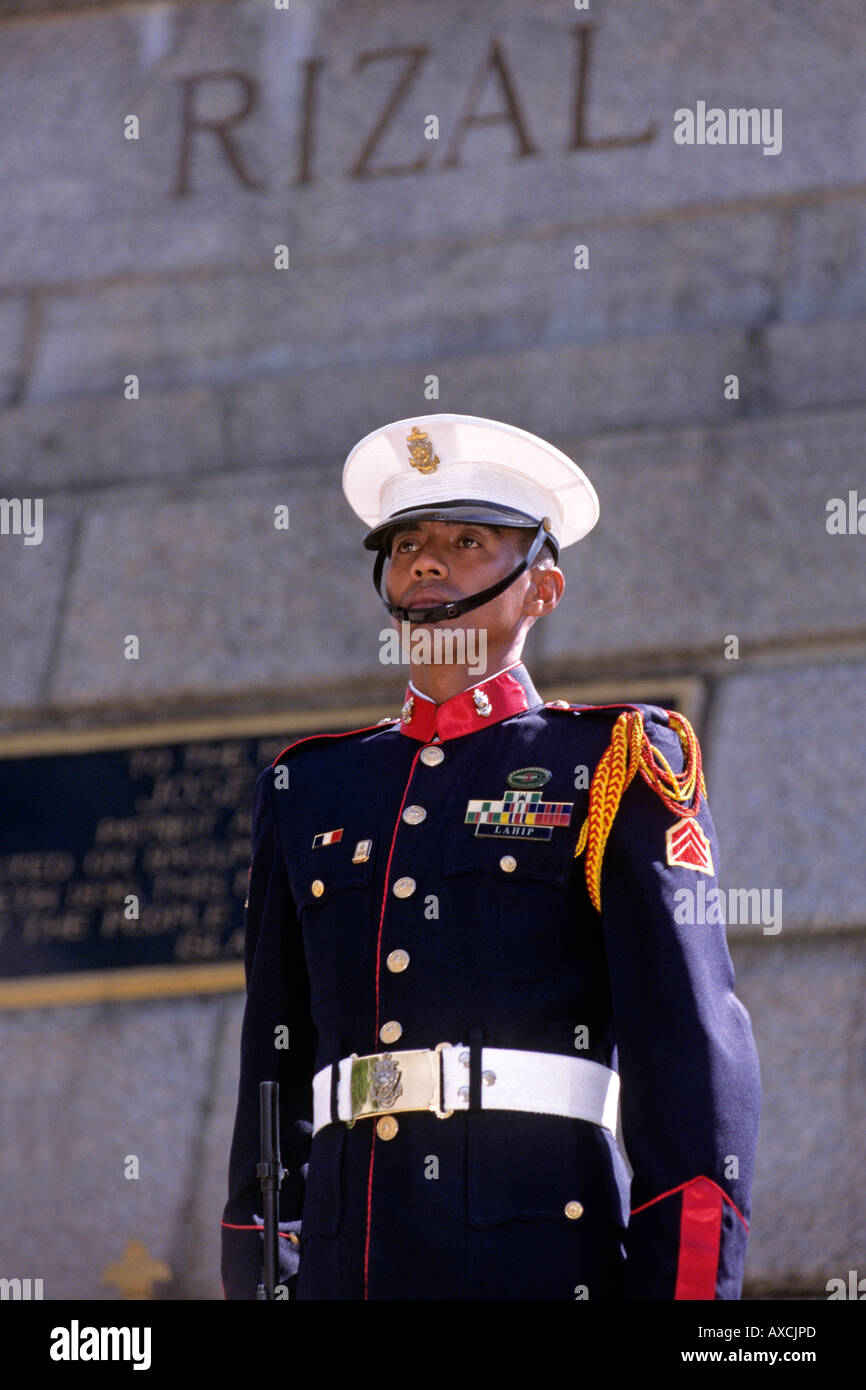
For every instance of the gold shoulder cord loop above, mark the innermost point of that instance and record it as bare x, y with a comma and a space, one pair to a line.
628, 752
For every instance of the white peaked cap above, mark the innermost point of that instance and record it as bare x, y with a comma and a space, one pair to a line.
432, 463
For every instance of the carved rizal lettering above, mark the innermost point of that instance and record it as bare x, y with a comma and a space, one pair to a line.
397, 70
361, 168
194, 123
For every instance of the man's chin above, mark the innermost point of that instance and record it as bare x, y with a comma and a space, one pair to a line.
424, 622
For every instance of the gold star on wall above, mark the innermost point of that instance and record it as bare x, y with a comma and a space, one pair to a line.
136, 1272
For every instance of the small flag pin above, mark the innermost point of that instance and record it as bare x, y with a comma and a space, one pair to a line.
328, 837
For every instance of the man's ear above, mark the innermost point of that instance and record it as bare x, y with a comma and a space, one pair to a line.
546, 590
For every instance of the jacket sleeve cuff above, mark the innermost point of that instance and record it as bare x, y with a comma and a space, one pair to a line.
686, 1244
243, 1253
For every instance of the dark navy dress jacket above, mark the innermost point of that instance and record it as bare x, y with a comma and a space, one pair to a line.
474, 1206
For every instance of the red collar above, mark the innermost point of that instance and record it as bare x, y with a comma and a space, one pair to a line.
511, 692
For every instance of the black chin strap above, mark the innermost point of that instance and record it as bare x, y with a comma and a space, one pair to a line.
463, 605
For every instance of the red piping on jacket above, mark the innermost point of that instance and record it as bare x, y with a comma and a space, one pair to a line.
287, 1235
681, 1188
342, 733
376, 1031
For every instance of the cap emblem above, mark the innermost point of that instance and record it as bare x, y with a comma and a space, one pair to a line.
481, 702
421, 453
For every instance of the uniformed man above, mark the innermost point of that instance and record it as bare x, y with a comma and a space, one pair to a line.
473, 921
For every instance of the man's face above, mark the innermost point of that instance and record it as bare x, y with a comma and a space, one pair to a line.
435, 562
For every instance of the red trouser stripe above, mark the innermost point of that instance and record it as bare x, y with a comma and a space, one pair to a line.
700, 1238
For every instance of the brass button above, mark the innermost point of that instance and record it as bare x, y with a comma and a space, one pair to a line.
397, 960
414, 815
508, 863
431, 756
489, 1078
573, 1210
560, 704
404, 887
293, 1238
317, 887
391, 1031
386, 1127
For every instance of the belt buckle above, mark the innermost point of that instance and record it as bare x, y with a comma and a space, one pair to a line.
386, 1081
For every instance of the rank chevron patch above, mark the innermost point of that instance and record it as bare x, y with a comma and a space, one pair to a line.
688, 845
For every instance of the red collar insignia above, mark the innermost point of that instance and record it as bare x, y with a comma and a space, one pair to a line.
510, 692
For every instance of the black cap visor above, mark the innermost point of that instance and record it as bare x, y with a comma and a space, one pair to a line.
463, 509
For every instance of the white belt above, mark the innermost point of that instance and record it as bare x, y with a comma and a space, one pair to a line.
541, 1083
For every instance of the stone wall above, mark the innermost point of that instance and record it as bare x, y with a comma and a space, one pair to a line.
412, 259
